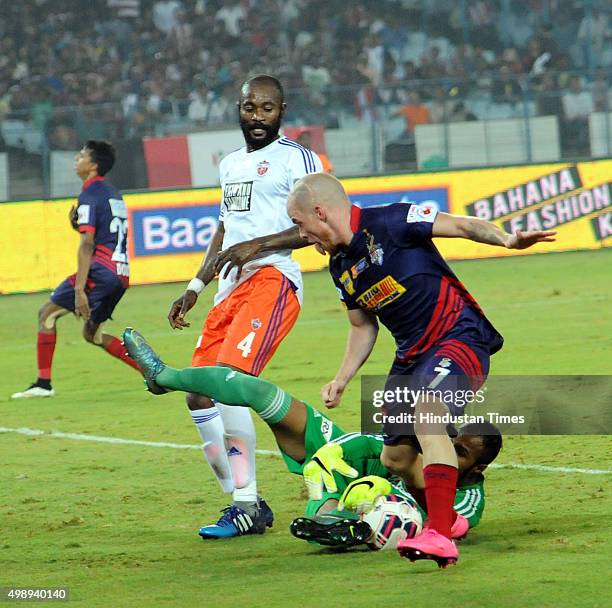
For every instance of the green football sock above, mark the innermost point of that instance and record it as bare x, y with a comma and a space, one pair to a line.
230, 387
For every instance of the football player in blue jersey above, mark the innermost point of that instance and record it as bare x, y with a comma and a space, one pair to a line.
386, 268
102, 274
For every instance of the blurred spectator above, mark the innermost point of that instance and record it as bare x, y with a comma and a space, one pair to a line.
165, 13
201, 105
564, 29
535, 58
408, 71
602, 93
432, 65
577, 105
548, 99
376, 57
231, 14
138, 59
181, 33
506, 89
414, 112
593, 32
440, 106
124, 9
223, 109
482, 19
316, 77
461, 114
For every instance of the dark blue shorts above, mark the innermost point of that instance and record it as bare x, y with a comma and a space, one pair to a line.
103, 288
454, 366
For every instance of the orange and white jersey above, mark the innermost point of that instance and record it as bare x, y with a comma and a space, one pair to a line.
255, 189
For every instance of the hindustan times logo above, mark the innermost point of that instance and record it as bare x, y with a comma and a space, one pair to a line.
408, 396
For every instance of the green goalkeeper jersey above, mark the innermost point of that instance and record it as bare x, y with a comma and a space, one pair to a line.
362, 452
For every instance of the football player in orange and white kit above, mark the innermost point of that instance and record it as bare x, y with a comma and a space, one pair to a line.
257, 302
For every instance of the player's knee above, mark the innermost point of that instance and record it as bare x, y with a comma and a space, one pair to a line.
198, 402
43, 316
89, 333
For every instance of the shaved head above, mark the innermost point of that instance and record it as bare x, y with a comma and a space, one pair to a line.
320, 208
318, 189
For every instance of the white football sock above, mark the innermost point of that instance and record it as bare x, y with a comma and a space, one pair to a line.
210, 426
240, 443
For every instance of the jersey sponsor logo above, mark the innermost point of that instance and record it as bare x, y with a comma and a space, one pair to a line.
262, 167
375, 250
83, 214
421, 213
358, 268
347, 282
237, 196
381, 294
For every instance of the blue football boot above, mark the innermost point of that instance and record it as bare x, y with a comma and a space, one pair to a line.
148, 360
235, 521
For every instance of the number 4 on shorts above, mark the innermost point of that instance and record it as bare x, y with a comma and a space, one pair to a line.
245, 344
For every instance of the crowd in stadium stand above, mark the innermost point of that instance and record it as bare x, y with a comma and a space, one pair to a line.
73, 67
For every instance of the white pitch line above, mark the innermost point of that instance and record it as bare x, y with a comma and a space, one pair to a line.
191, 446
549, 469
115, 440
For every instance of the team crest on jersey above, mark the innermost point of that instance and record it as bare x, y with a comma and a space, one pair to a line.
424, 212
375, 250
347, 282
446, 362
358, 268
381, 294
262, 167
255, 324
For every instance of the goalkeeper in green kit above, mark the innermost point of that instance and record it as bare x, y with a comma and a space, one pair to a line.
342, 471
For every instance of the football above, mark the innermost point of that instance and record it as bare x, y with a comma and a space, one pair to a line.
392, 519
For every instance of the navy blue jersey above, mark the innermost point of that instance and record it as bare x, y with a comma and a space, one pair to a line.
392, 269
101, 210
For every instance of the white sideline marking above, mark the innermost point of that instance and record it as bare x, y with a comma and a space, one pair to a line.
191, 446
115, 440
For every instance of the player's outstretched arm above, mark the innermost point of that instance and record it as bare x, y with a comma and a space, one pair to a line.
361, 339
481, 231
182, 305
241, 253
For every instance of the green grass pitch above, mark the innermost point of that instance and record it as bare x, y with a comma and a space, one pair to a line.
117, 523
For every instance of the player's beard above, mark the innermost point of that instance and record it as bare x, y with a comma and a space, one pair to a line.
260, 142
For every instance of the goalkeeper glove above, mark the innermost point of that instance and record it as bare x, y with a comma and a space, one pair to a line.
361, 494
319, 471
